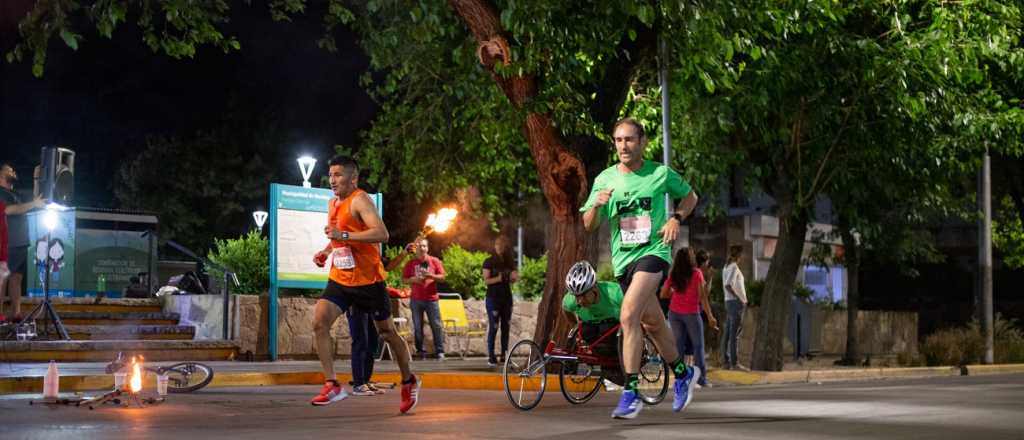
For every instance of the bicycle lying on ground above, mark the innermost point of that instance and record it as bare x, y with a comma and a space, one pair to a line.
581, 370
183, 377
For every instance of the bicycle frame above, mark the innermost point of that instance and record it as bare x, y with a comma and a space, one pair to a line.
584, 350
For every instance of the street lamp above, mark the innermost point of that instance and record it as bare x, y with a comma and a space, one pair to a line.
44, 307
260, 217
306, 165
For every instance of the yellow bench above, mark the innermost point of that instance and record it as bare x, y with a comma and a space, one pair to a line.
456, 325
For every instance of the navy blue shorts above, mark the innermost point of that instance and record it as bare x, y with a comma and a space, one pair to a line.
372, 298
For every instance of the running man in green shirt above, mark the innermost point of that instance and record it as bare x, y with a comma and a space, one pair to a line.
631, 195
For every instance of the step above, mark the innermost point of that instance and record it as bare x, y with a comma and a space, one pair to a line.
110, 318
148, 332
104, 305
106, 350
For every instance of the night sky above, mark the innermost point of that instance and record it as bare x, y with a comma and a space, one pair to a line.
105, 99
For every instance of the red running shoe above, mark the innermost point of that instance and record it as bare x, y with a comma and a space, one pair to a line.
410, 394
329, 394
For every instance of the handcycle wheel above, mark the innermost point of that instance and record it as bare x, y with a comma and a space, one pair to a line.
187, 377
525, 375
577, 388
654, 372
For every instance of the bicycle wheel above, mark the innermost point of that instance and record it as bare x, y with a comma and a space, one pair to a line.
525, 375
579, 381
654, 374
187, 377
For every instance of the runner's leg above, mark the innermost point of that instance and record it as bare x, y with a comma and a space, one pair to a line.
638, 298
324, 315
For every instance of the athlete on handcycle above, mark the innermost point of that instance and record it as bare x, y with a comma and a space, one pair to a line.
596, 304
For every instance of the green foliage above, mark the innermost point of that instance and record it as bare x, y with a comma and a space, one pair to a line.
248, 257
755, 291
1008, 236
200, 188
965, 346
531, 279
394, 277
464, 271
605, 272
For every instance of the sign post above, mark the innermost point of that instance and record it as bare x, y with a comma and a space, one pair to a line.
297, 219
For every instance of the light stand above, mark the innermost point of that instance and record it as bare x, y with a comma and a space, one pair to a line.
45, 307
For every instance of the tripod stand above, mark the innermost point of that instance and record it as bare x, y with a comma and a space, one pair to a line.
44, 307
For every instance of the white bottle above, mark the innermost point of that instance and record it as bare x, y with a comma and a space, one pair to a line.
51, 382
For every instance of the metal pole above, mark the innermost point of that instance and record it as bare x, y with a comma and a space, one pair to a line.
227, 297
666, 119
519, 237
986, 257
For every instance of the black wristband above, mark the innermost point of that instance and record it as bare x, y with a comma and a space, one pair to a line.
344, 235
678, 217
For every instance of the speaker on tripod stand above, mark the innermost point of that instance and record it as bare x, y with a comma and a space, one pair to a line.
57, 186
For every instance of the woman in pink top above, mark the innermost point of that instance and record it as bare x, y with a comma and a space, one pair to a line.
689, 295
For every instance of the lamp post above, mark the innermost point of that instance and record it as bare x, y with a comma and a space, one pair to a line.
261, 218
306, 165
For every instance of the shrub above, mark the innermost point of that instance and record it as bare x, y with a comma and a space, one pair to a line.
966, 345
464, 271
394, 278
531, 278
248, 257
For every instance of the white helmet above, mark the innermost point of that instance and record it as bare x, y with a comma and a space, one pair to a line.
581, 277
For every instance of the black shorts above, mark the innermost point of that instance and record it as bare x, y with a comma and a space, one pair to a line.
647, 263
371, 298
17, 258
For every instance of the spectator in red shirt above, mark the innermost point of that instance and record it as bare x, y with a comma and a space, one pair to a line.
422, 273
688, 295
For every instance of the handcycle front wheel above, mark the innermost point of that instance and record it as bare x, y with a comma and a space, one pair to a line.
187, 377
655, 372
578, 381
525, 374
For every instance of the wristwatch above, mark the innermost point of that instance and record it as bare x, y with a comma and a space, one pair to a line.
678, 217
344, 235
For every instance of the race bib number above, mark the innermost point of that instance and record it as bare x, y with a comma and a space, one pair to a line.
342, 258
635, 230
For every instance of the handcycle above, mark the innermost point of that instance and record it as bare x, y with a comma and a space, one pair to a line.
183, 377
581, 369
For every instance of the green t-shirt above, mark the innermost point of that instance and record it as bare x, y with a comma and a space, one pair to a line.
636, 210
607, 307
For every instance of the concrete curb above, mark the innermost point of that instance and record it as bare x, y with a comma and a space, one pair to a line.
494, 381
435, 380
980, 370
781, 377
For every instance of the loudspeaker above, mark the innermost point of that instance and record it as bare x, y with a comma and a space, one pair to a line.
57, 182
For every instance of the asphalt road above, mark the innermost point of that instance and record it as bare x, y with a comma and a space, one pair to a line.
962, 408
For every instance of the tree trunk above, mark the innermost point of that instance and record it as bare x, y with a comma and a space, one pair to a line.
778, 290
562, 174
851, 256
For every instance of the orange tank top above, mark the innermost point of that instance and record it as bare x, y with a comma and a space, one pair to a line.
368, 267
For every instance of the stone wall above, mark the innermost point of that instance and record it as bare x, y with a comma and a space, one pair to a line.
881, 332
295, 328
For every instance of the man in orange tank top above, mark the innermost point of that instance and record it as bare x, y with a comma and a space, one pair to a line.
355, 231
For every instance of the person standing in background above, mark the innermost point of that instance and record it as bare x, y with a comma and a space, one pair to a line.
499, 272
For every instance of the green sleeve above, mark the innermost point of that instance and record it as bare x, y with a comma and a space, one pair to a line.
569, 303
676, 186
599, 185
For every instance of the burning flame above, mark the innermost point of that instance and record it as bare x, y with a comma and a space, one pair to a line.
440, 221
135, 383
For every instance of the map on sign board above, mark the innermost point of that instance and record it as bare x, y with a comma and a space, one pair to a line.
297, 219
